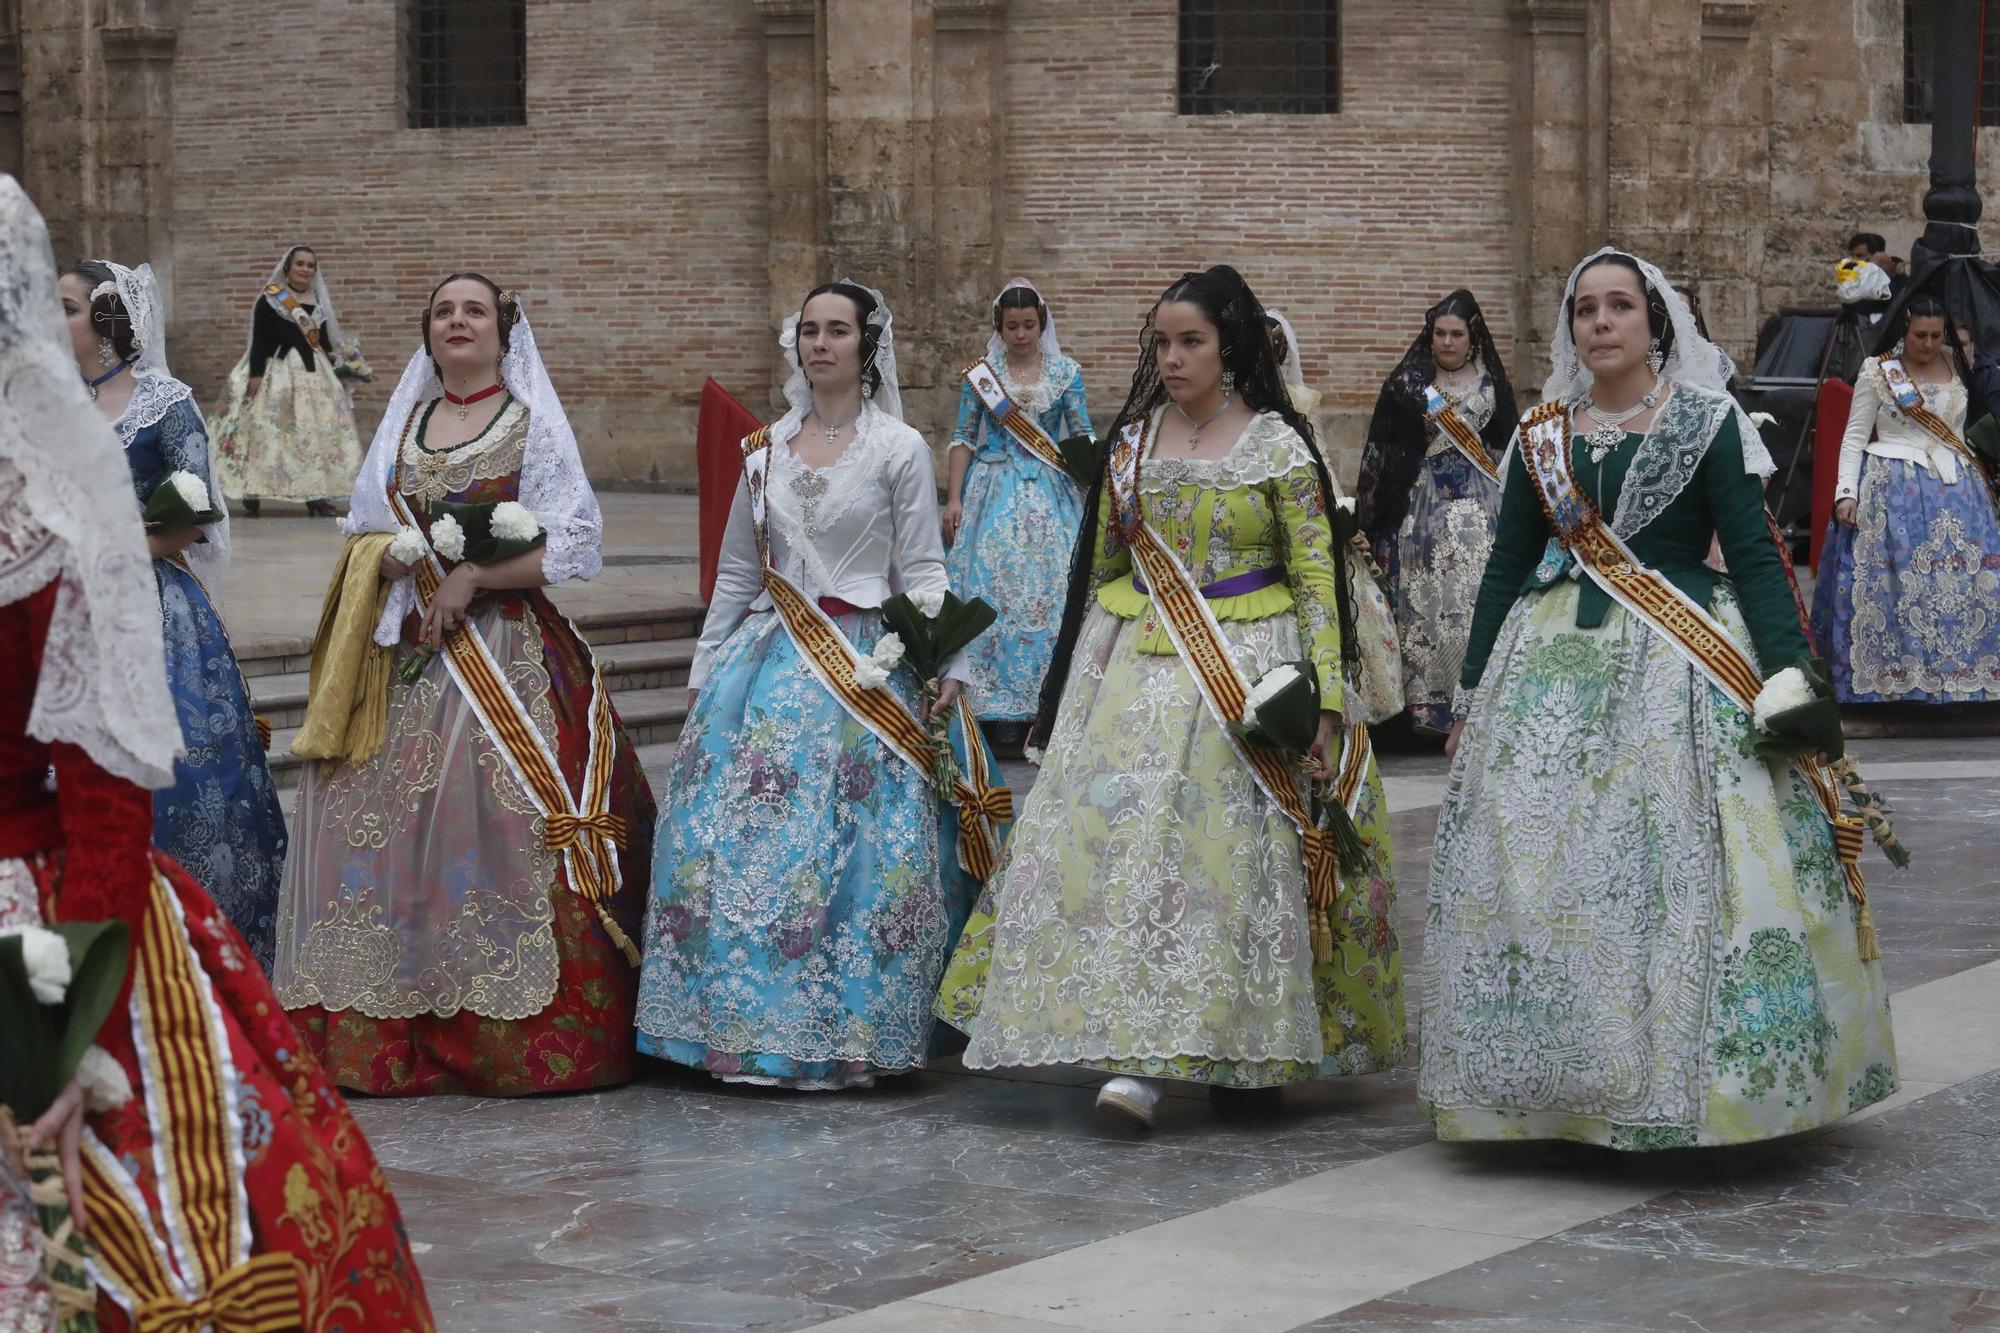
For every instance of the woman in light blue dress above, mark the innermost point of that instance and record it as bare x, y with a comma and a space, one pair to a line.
1011, 515
221, 820
808, 883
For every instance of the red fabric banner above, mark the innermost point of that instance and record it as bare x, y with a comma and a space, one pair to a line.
718, 457
1829, 424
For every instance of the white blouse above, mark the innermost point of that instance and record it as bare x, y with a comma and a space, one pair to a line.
1896, 436
861, 529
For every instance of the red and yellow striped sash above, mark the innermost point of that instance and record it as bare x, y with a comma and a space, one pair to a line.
1192, 627
1909, 400
1462, 435
982, 807
583, 830
1020, 427
201, 1274
1579, 525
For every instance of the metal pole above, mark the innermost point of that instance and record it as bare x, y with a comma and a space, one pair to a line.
1951, 206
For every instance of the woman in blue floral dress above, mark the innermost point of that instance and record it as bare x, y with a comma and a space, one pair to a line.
1011, 514
221, 819
807, 881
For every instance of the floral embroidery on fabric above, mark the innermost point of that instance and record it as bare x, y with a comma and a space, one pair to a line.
1771, 1026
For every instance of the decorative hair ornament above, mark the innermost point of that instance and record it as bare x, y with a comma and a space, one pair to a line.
106, 288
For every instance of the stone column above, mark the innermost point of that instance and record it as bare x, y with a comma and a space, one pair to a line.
873, 175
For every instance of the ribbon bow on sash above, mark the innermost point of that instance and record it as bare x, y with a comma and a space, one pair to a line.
259, 1296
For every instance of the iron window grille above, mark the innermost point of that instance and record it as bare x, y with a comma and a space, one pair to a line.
466, 63
1270, 57
1920, 35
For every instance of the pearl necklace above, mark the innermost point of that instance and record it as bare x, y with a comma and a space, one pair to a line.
1610, 431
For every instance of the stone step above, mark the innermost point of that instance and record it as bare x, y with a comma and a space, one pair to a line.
674, 618
635, 664
652, 717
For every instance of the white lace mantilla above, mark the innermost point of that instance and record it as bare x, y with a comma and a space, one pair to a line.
152, 397
1038, 395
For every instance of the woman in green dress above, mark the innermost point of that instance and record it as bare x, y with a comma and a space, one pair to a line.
1155, 917
1640, 932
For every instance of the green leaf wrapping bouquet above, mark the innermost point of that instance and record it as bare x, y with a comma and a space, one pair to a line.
181, 501
927, 629
57, 986
469, 534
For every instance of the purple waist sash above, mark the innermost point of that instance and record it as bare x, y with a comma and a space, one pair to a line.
1233, 586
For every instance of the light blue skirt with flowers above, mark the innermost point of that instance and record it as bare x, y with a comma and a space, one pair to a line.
806, 887
1021, 521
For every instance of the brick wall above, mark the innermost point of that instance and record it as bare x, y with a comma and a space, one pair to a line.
634, 207
630, 210
1351, 224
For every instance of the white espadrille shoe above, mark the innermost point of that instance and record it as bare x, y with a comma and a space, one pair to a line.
1130, 1099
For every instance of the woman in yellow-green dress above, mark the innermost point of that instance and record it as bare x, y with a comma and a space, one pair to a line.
1170, 906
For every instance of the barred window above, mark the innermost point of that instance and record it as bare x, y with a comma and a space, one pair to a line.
1920, 34
1269, 57
466, 63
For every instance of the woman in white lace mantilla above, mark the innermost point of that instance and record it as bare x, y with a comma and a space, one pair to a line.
221, 819
287, 432
807, 885
471, 852
1639, 932
1011, 510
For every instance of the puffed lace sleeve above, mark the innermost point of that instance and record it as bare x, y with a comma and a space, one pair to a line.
916, 561
556, 491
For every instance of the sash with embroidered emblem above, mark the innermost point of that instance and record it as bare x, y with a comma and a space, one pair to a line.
1196, 635
827, 653
1685, 624
583, 829
282, 296
1442, 413
1910, 402
1021, 427
197, 1271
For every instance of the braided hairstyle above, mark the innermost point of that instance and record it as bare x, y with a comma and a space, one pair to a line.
1228, 304
108, 317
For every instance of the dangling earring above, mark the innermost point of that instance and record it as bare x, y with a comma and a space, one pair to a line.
1655, 358
868, 390
107, 355
1899, 349
1229, 381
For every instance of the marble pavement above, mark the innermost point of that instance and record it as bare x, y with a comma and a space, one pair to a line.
949, 1200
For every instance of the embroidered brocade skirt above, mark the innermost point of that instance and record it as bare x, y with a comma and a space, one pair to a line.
221, 820
312, 1184
1433, 566
1021, 520
1151, 914
428, 940
294, 441
806, 885
1638, 932
1907, 606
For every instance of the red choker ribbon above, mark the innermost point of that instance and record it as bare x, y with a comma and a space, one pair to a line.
470, 399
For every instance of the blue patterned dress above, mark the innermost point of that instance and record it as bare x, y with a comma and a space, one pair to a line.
806, 882
1021, 519
1907, 604
221, 819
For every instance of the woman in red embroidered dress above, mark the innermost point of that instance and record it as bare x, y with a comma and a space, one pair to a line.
455, 916
86, 698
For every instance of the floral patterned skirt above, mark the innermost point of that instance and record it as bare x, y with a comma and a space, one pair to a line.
1907, 606
806, 885
1638, 932
294, 441
1434, 565
312, 1184
1021, 519
221, 820
1151, 917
